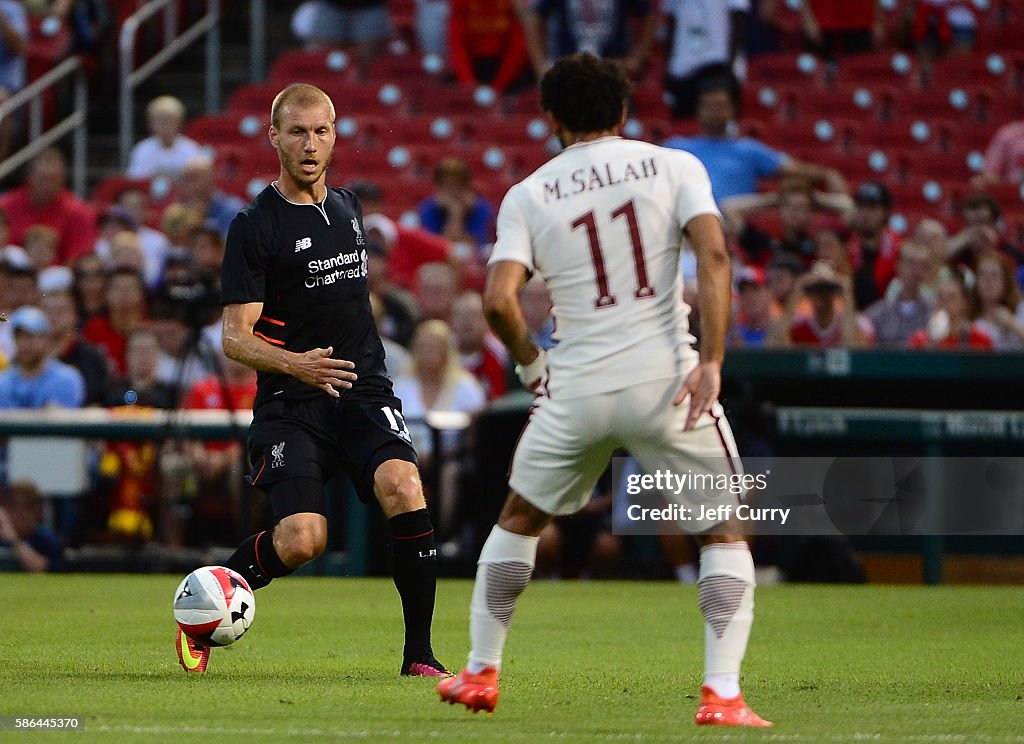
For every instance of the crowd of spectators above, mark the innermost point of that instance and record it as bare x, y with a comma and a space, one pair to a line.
115, 305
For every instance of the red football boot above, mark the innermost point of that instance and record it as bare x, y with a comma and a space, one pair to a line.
717, 711
192, 656
475, 691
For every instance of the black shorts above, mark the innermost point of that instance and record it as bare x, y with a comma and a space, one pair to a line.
313, 438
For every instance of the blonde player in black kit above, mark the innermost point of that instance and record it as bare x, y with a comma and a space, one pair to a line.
297, 310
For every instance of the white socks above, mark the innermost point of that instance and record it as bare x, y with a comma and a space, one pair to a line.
503, 571
726, 594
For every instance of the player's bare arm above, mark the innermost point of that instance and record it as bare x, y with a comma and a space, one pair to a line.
505, 317
314, 367
714, 277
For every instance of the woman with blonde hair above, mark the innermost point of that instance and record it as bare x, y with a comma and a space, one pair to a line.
438, 383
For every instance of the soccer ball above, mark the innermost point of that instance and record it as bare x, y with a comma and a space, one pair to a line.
214, 606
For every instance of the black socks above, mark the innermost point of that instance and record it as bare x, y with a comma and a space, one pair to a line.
257, 561
415, 571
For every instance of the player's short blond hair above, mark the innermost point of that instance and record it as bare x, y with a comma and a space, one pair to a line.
166, 105
299, 95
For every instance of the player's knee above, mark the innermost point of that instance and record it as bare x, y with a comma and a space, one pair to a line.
398, 489
300, 541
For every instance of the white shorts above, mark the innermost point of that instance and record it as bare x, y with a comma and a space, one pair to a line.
567, 444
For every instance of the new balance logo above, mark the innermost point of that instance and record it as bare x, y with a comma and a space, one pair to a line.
304, 243
359, 233
277, 452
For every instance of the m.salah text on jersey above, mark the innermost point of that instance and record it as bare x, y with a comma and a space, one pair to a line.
599, 176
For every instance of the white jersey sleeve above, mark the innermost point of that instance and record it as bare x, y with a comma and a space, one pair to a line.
603, 224
513, 234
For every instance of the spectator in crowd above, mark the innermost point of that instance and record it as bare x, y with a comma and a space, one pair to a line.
197, 191
130, 467
90, 287
480, 352
703, 43
398, 313
71, 349
438, 383
87, 20
365, 25
940, 26
166, 151
19, 288
14, 38
876, 246
408, 248
207, 248
952, 324
397, 359
217, 505
780, 277
34, 379
837, 27
177, 222
754, 315
10, 253
487, 46
735, 163
827, 325
622, 29
933, 235
185, 357
437, 286
455, 210
140, 386
45, 200
796, 203
126, 253
40, 243
997, 301
126, 311
153, 244
34, 545
536, 306
431, 20
1004, 157
895, 318
981, 233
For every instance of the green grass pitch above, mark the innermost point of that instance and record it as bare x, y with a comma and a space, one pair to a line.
586, 662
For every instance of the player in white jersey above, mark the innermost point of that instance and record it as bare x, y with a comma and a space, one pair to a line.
603, 223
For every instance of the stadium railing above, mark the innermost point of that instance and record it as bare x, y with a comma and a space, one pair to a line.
149, 424
174, 42
33, 96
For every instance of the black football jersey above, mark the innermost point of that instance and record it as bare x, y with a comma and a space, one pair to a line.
307, 264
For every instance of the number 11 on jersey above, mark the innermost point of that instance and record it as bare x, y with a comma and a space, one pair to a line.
604, 296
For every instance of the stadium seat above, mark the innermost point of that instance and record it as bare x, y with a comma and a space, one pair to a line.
308, 66
228, 128
787, 67
445, 100
879, 68
253, 99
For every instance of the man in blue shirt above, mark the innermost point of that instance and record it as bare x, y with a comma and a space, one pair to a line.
35, 380
736, 163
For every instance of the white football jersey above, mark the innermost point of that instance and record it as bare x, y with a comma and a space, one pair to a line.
602, 223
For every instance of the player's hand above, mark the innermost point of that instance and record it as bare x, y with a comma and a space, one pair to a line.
532, 375
316, 368
701, 386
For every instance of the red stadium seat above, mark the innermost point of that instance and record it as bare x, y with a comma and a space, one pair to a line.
879, 68
787, 67
229, 128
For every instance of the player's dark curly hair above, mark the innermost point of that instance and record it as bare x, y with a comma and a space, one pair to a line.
585, 93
